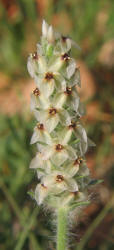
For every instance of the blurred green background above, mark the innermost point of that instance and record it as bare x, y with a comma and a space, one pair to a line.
90, 24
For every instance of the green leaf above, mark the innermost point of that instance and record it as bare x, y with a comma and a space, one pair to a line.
49, 51
95, 181
31, 193
80, 177
75, 141
79, 204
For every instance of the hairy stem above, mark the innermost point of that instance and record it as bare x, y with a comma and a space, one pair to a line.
62, 228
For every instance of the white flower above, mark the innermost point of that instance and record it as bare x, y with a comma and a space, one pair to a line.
41, 192
32, 64
55, 183
47, 81
48, 78
65, 44
40, 135
59, 181
72, 101
79, 132
52, 114
38, 100
58, 152
35, 64
43, 166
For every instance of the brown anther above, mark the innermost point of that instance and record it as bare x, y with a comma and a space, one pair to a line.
72, 125
59, 178
40, 126
75, 193
43, 186
65, 57
36, 92
78, 161
52, 111
78, 116
59, 147
64, 38
49, 76
68, 91
35, 56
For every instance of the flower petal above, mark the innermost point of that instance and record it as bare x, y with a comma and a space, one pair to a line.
67, 136
42, 64
68, 42
51, 123
71, 68
35, 137
47, 152
56, 65
84, 170
48, 180
39, 49
50, 35
71, 151
41, 193
44, 28
40, 136
64, 117
41, 115
32, 66
39, 102
75, 101
81, 133
72, 169
36, 161
60, 81
72, 185
46, 87
58, 158
59, 100
76, 79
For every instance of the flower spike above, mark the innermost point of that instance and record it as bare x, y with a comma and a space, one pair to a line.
61, 140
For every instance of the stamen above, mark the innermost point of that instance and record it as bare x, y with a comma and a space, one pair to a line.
68, 91
72, 125
64, 38
35, 56
65, 57
78, 161
49, 76
52, 111
40, 126
75, 193
43, 186
78, 116
36, 92
59, 147
59, 178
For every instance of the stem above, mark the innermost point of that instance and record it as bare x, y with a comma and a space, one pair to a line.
62, 228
